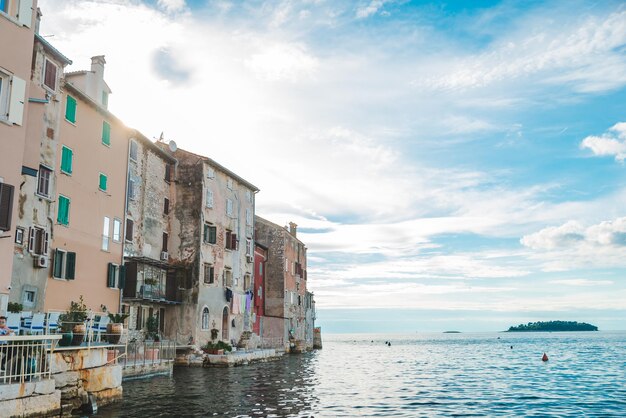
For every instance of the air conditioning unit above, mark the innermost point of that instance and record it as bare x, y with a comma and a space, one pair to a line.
250, 258
164, 255
41, 261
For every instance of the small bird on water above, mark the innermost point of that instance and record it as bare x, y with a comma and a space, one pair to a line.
545, 357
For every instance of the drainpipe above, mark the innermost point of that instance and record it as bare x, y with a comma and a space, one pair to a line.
125, 217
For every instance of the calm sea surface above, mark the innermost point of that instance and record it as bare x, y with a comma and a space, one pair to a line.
419, 375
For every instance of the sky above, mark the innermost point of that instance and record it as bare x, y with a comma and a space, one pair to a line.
450, 165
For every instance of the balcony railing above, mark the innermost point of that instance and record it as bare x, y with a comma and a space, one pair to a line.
25, 357
152, 290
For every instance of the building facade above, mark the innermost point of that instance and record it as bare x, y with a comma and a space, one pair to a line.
37, 192
17, 28
91, 190
215, 228
285, 283
151, 284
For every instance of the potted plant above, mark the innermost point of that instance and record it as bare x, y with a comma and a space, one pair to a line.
214, 333
15, 307
73, 321
152, 328
217, 347
115, 327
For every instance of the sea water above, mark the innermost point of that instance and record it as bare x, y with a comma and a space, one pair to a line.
468, 374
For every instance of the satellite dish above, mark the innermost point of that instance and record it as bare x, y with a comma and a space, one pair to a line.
172, 146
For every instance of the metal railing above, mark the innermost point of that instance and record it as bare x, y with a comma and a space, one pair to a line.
25, 357
148, 352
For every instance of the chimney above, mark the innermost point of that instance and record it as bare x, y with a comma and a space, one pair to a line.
293, 229
37, 20
97, 66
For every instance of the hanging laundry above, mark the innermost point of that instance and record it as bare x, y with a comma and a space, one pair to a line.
229, 295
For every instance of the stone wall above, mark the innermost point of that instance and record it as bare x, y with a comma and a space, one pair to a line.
30, 399
80, 373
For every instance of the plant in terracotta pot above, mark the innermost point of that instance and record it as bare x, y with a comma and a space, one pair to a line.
15, 307
73, 321
115, 327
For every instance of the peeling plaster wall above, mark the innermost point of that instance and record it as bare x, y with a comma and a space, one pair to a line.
42, 138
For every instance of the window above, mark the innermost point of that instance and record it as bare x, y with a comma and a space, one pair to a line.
166, 206
129, 230
205, 318
43, 182
131, 189
70, 109
228, 277
246, 281
139, 318
210, 233
249, 249
67, 157
105, 99
22, 10
50, 75
209, 198
29, 297
63, 214
19, 235
229, 183
165, 238
6, 206
106, 133
169, 172
38, 241
102, 184
231, 241
64, 264
286, 265
209, 273
229, 207
117, 230
133, 150
249, 196
12, 97
113, 272
248, 216
210, 173
105, 234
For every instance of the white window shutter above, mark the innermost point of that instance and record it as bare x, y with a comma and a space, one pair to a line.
25, 14
31, 239
16, 103
209, 198
45, 243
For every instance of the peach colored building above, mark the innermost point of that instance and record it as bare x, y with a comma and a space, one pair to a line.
17, 23
91, 189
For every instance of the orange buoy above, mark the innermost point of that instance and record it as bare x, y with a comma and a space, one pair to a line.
545, 357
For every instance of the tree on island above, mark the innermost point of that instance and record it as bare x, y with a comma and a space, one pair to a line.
554, 326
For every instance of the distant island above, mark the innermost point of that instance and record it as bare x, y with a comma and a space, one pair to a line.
554, 326
452, 332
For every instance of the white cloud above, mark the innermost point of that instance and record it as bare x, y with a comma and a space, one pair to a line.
588, 57
612, 142
372, 8
582, 282
283, 62
172, 5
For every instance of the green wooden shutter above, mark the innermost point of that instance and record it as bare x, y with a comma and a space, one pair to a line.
106, 133
111, 275
70, 109
70, 266
57, 270
103, 182
122, 281
66, 160
63, 215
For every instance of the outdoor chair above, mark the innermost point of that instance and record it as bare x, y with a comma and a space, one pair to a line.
99, 326
26, 318
14, 322
37, 324
52, 322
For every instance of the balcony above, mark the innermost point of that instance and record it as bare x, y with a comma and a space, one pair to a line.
151, 283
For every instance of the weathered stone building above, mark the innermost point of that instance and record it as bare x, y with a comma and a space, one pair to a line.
285, 284
37, 192
151, 284
214, 224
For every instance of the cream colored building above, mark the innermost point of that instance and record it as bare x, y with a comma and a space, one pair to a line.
17, 22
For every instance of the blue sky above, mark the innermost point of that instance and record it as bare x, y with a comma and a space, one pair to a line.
451, 165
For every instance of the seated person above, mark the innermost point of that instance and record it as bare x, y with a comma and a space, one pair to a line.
4, 330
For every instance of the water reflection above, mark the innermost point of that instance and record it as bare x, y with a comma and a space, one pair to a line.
277, 388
